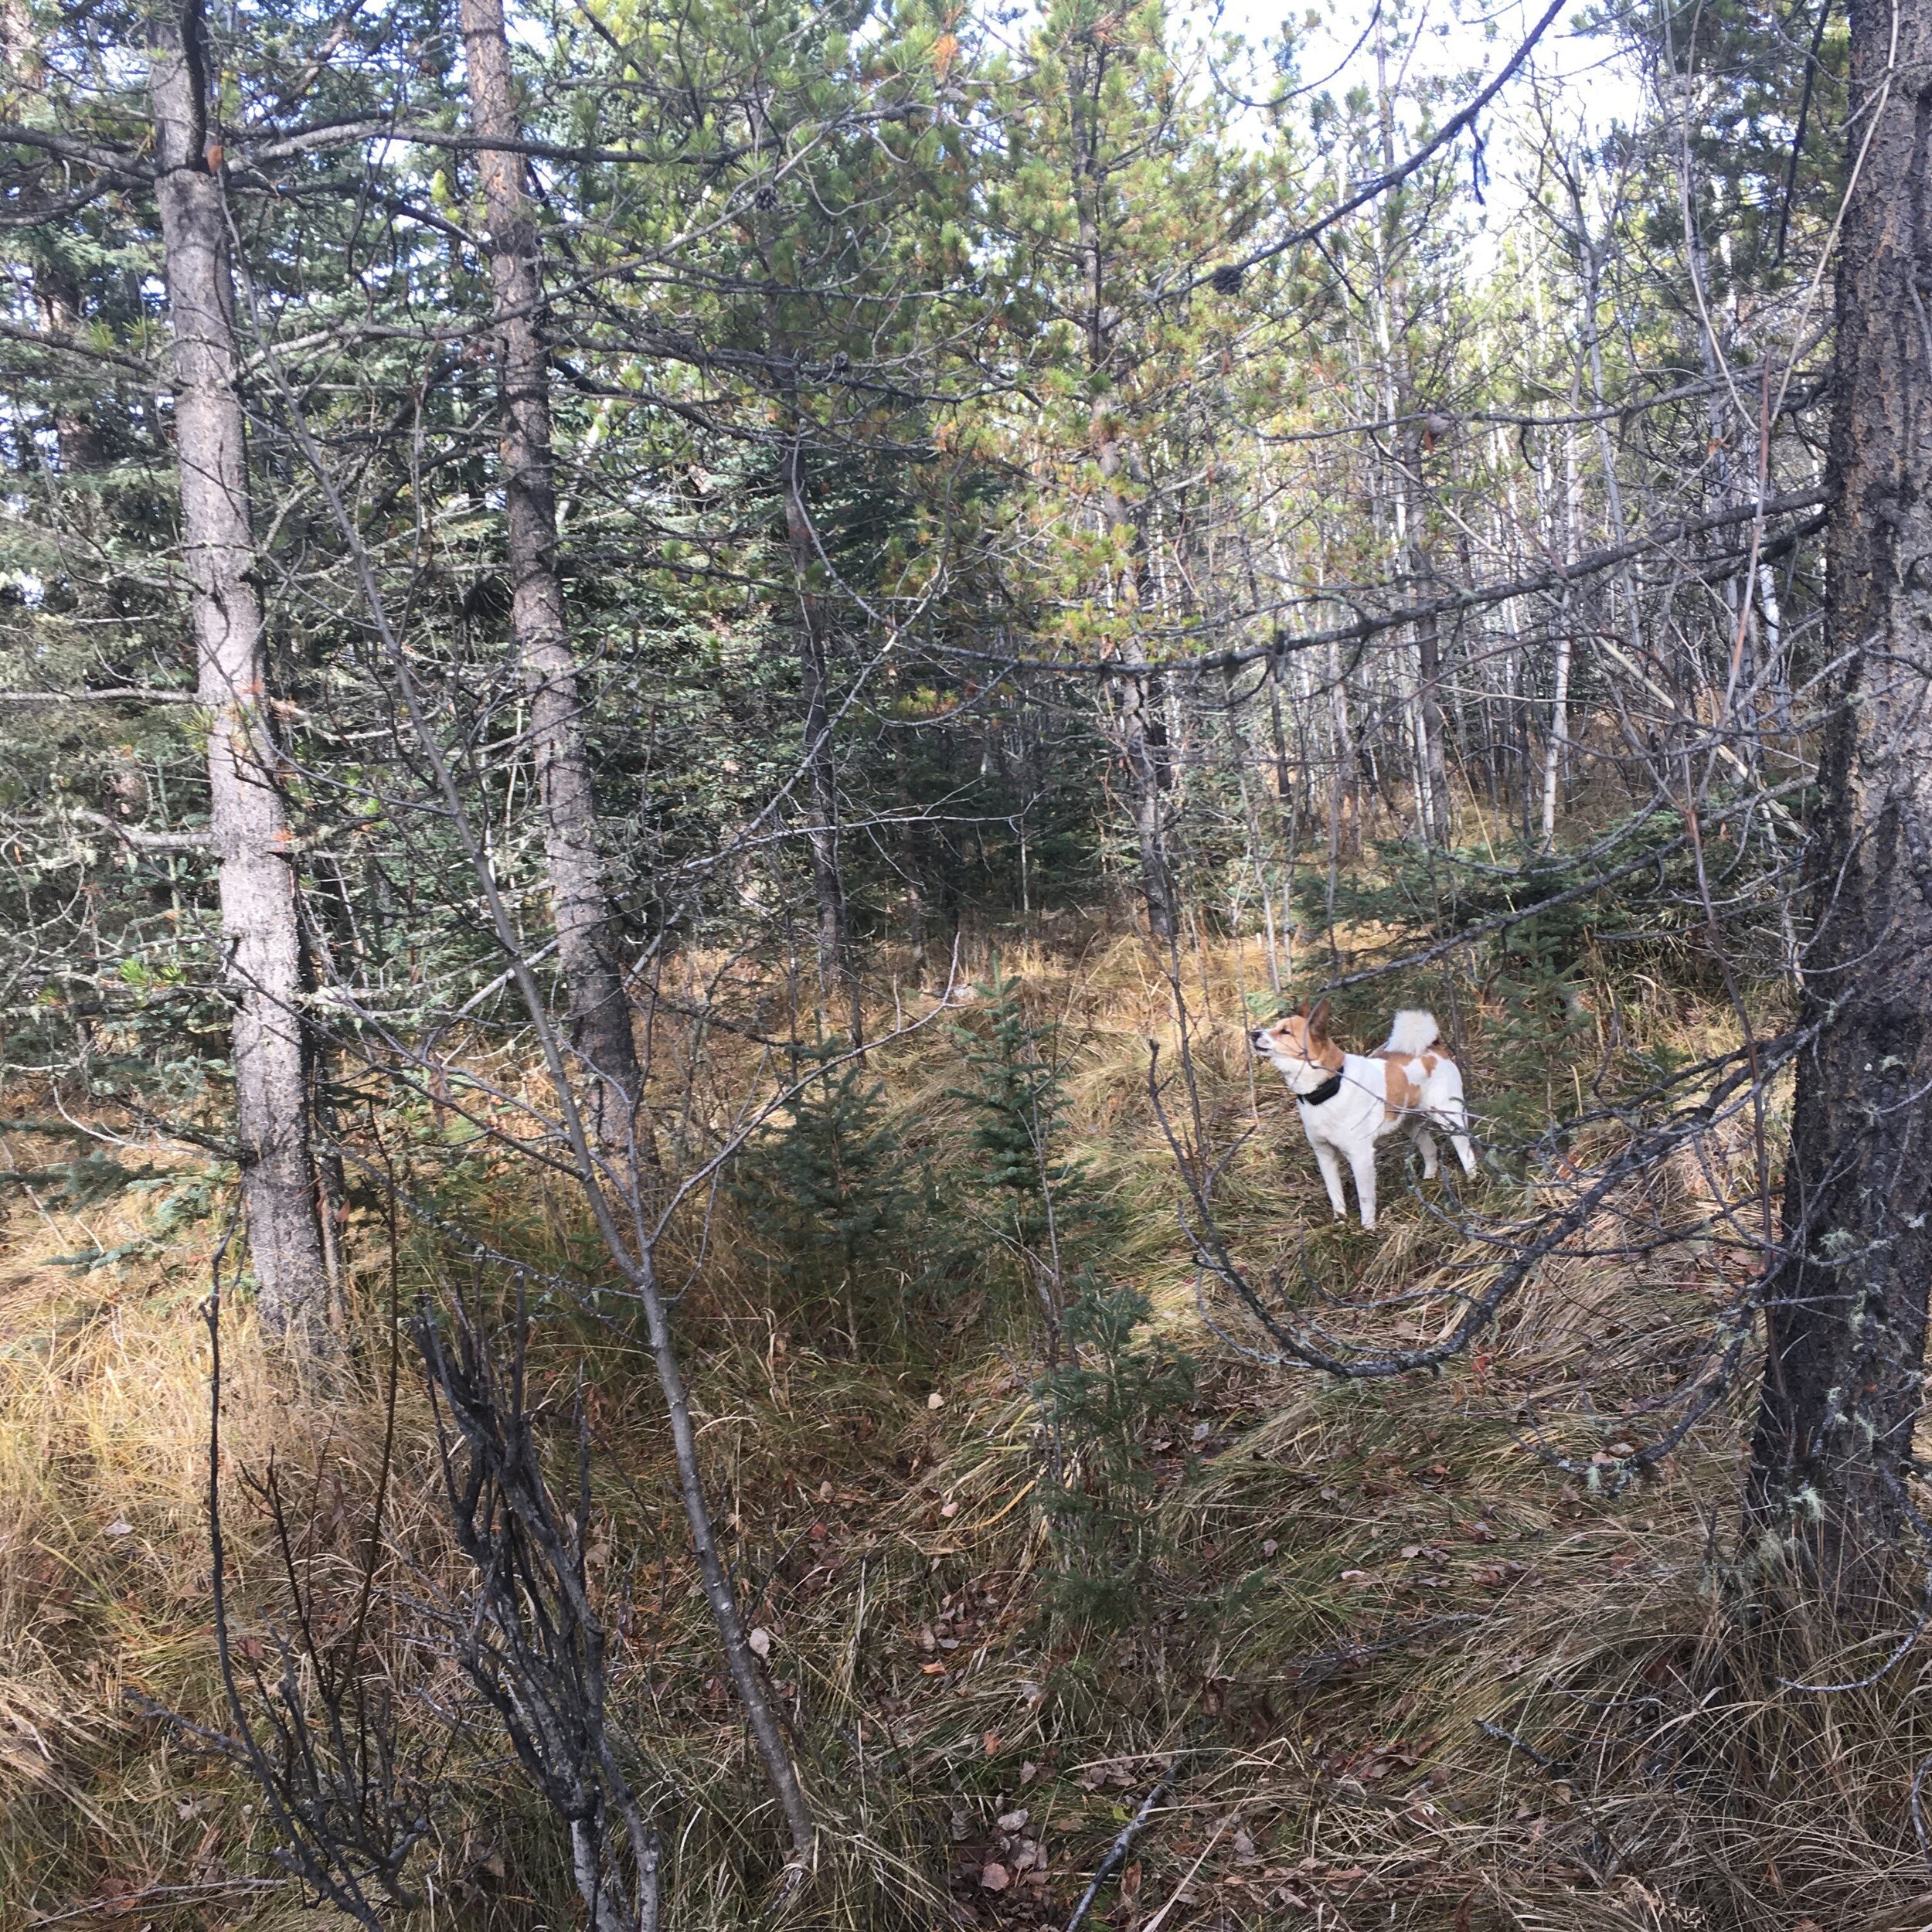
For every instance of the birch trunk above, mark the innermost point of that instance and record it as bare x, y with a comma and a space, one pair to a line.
260, 922
600, 1013
1566, 637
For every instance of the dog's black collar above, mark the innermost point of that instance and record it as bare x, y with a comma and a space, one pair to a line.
1326, 1091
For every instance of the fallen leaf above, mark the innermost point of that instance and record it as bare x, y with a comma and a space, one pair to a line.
761, 1642
119, 1529
1269, 1547
1028, 1771
935, 1400
995, 1877
1013, 1820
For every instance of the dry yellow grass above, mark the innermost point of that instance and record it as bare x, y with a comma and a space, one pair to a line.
1408, 1674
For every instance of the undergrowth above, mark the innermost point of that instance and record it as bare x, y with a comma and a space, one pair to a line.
1021, 1535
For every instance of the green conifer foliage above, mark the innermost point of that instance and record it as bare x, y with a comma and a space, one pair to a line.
842, 1203
1114, 1384
1106, 1381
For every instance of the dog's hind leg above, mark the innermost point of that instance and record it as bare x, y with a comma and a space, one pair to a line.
1331, 1178
1425, 1146
1456, 1118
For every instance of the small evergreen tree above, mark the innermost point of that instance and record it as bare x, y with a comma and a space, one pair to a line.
1100, 1499
1018, 1099
1103, 1383
837, 1193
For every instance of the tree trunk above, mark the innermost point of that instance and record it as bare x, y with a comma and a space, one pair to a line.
1135, 720
56, 282
836, 976
1845, 1315
1432, 769
1554, 750
56, 288
1138, 717
260, 925
1142, 734
600, 1013
1429, 687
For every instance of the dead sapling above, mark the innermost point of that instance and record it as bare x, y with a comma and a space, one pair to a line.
528, 1636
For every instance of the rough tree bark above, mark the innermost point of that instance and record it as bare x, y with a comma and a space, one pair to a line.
1846, 1308
260, 925
600, 1013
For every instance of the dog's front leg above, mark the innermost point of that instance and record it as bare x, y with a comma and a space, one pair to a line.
1362, 1160
1331, 1178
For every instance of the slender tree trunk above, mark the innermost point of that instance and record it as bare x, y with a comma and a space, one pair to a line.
600, 1027
56, 284
1432, 775
1136, 719
1257, 844
57, 293
1566, 616
836, 976
1558, 732
720, 1595
1142, 732
1845, 1315
261, 922
1422, 571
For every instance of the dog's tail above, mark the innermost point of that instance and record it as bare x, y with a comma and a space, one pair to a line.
1412, 1031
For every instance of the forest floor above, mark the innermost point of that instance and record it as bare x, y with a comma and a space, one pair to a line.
1386, 1664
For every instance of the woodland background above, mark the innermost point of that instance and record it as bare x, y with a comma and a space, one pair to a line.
674, 677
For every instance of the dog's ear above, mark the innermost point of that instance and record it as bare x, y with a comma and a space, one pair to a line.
1301, 1012
1318, 1019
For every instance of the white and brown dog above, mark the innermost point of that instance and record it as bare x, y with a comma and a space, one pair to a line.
1348, 1101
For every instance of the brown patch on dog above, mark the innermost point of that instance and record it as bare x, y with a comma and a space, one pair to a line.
1403, 1096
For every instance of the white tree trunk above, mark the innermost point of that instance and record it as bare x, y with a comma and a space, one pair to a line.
260, 922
